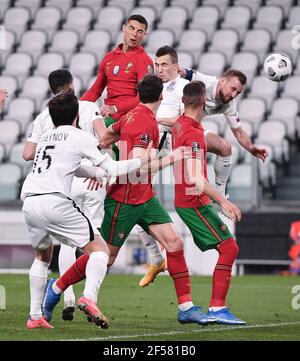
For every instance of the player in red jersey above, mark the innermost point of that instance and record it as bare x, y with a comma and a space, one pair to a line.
132, 201
192, 200
121, 69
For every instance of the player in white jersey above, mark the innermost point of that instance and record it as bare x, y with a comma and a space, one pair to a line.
90, 202
171, 107
166, 67
49, 210
220, 99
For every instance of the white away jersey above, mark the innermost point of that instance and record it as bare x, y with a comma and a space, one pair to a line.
171, 105
58, 155
214, 107
88, 112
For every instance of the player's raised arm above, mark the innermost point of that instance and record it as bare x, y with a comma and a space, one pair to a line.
245, 141
95, 91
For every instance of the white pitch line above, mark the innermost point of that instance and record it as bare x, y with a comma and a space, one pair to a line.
173, 333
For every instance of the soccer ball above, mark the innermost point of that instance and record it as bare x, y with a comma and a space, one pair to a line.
277, 67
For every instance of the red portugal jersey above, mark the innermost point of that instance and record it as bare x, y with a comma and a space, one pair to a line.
188, 132
120, 72
137, 128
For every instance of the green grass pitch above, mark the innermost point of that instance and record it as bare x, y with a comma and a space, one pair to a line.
150, 313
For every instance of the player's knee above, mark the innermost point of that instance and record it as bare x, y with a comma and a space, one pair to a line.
229, 249
111, 260
174, 244
97, 245
225, 148
44, 255
46, 258
101, 245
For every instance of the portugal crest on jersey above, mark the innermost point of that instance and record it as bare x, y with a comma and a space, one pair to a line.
128, 67
116, 69
223, 228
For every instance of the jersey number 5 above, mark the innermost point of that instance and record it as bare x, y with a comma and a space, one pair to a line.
45, 157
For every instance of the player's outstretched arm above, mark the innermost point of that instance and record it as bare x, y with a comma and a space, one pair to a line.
158, 164
169, 122
107, 167
117, 168
109, 137
244, 140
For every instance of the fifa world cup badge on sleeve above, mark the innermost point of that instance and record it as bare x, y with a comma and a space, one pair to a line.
145, 138
195, 147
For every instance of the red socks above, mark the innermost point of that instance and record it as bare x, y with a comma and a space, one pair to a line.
228, 251
180, 274
74, 274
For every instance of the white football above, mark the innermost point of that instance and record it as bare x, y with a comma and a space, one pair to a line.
277, 67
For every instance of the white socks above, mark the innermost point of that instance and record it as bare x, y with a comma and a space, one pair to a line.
185, 306
56, 289
67, 256
95, 273
222, 170
37, 279
216, 308
151, 246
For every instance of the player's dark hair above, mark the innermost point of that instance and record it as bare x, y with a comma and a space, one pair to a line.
168, 50
194, 94
63, 108
150, 88
139, 18
58, 79
230, 73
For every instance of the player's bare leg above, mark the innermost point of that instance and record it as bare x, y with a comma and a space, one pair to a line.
113, 253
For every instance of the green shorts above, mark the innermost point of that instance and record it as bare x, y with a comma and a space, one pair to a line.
109, 121
206, 226
120, 218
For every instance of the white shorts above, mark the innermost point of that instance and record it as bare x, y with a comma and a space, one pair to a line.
90, 202
56, 215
